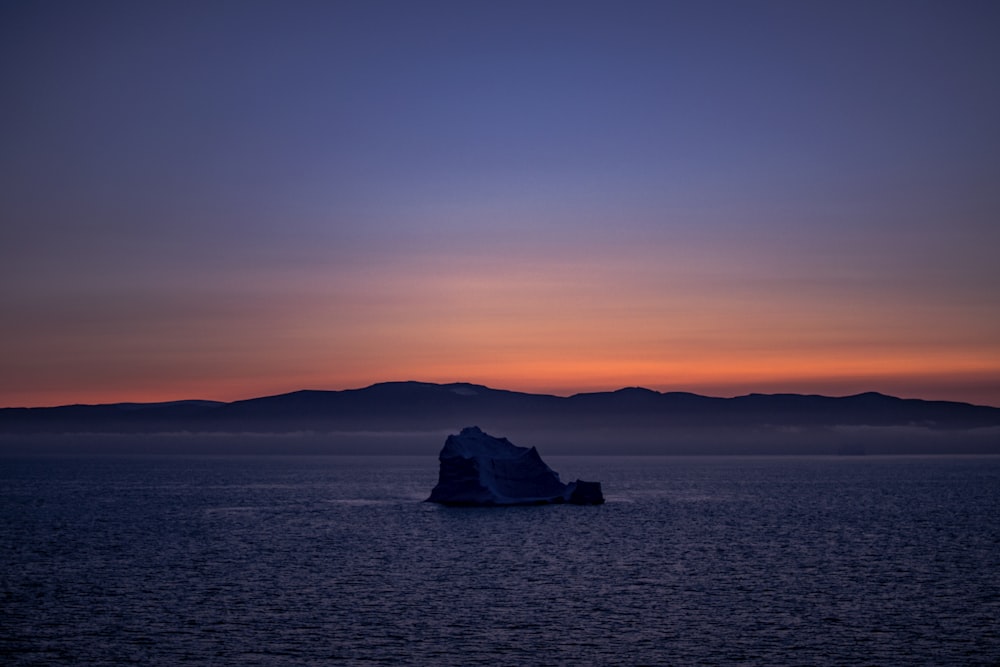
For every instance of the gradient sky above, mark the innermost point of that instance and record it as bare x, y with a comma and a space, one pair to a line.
229, 199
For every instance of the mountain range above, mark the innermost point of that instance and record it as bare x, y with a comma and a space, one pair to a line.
391, 417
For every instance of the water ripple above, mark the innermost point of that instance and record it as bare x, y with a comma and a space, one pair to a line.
277, 561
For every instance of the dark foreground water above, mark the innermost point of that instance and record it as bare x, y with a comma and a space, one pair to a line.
333, 560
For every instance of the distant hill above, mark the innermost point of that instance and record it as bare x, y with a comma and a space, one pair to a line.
630, 420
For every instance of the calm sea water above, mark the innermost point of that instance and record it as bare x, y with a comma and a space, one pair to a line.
334, 560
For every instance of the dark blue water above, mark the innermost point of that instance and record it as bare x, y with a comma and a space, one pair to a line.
333, 560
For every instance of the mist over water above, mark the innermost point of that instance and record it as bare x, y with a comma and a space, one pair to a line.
745, 441
334, 560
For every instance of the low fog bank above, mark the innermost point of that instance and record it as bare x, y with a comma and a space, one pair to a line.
835, 440
223, 444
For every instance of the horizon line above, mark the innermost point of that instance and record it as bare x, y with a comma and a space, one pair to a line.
491, 388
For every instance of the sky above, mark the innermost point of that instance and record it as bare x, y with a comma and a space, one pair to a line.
229, 199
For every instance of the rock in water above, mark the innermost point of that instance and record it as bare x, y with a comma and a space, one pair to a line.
479, 470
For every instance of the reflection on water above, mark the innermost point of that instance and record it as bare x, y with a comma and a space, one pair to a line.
334, 560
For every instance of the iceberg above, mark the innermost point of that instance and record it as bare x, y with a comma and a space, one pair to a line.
478, 470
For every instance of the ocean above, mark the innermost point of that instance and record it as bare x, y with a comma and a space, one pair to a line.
336, 560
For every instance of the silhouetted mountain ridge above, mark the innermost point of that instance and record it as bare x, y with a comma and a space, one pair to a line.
422, 406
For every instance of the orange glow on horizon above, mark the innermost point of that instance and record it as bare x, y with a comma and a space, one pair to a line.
563, 326
962, 379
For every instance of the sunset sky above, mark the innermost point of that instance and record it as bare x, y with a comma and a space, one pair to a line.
230, 199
